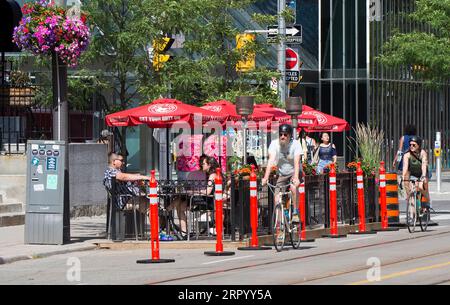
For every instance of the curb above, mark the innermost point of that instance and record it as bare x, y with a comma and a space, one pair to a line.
11, 259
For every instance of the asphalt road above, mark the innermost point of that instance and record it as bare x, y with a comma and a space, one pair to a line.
384, 258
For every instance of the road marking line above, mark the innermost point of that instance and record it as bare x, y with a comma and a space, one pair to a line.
355, 239
403, 273
225, 260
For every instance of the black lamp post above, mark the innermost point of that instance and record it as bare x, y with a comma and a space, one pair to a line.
244, 107
294, 109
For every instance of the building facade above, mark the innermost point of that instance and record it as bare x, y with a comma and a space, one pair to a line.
341, 39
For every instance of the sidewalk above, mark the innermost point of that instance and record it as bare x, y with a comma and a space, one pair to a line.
85, 233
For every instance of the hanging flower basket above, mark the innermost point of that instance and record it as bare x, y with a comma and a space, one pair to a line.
45, 28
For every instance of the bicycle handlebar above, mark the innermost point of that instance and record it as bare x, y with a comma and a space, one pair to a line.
280, 187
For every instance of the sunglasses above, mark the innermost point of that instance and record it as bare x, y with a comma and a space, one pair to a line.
413, 145
284, 134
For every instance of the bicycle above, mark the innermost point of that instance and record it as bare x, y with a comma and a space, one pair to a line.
413, 208
282, 219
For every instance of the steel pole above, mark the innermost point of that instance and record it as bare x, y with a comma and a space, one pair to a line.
282, 52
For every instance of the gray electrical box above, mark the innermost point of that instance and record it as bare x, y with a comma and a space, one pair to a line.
47, 219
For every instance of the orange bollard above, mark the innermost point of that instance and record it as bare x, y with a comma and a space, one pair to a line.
333, 206
219, 221
154, 224
254, 214
302, 208
383, 204
384, 219
361, 202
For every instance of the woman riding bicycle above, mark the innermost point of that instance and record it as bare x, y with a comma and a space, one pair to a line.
415, 164
285, 152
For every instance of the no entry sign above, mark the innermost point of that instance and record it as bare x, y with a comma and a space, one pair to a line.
292, 66
291, 60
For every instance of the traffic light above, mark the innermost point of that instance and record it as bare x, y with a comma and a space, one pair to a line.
161, 45
248, 63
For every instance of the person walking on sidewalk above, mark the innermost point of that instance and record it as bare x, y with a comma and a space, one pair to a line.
285, 153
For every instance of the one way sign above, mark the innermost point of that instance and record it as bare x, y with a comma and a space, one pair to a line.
294, 34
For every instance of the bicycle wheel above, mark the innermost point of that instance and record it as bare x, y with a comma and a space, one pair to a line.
279, 229
411, 213
424, 220
294, 233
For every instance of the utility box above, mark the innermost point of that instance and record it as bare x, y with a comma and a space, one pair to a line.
47, 219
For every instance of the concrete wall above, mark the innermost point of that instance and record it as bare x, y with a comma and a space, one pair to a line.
12, 178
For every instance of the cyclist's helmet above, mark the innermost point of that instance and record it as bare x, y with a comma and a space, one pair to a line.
286, 128
416, 139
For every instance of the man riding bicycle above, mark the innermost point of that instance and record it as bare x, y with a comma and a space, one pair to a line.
415, 164
285, 153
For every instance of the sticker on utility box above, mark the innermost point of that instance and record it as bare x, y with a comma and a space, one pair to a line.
35, 161
52, 182
38, 187
51, 163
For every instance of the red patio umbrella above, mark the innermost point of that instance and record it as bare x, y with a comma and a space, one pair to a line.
161, 113
325, 122
280, 115
228, 108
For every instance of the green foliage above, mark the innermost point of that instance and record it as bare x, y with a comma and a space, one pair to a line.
368, 142
426, 53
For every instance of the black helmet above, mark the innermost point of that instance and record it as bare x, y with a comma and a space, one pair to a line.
416, 139
285, 128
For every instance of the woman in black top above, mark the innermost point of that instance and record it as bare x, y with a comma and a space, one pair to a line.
326, 153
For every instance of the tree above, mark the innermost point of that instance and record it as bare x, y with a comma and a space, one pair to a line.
427, 53
204, 69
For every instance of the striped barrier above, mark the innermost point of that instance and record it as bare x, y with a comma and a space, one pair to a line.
393, 211
154, 225
361, 202
333, 206
254, 214
219, 217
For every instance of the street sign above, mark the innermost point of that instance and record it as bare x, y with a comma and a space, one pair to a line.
292, 66
292, 76
294, 34
291, 60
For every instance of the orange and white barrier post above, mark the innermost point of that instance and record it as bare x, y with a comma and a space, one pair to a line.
218, 186
361, 202
383, 207
254, 214
154, 225
333, 205
302, 208
383, 204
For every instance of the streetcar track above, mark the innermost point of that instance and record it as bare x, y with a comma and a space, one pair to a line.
441, 282
365, 268
215, 272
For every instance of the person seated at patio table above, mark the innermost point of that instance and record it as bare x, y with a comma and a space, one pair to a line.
125, 183
325, 153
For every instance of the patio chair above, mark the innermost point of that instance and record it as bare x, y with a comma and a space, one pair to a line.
114, 210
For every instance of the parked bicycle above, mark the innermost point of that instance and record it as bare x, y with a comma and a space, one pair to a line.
282, 218
414, 210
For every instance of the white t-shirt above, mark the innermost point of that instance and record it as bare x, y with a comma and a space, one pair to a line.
284, 155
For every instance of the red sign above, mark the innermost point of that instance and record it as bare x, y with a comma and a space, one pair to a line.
291, 59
